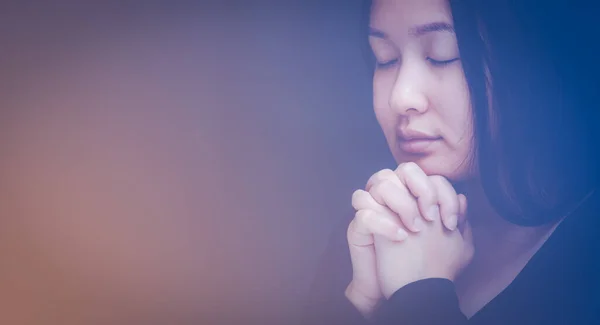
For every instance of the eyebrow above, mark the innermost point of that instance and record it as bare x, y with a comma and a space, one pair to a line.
418, 30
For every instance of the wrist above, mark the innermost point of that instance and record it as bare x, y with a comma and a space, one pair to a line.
363, 303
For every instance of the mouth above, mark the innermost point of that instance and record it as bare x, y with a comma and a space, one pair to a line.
416, 142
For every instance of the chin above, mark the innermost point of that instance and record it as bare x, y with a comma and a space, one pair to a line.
455, 170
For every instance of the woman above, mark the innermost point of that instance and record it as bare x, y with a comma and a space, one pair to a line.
490, 103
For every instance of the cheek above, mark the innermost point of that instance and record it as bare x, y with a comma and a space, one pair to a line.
386, 125
383, 113
458, 115
459, 124
381, 91
386, 121
454, 112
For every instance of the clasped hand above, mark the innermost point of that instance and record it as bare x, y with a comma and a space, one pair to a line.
408, 227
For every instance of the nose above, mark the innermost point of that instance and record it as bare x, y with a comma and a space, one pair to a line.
408, 94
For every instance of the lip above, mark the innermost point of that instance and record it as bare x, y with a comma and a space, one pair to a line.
411, 141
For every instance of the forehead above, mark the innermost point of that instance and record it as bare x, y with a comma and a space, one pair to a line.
399, 16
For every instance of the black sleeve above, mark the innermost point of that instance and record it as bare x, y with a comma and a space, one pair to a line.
327, 303
336, 311
425, 302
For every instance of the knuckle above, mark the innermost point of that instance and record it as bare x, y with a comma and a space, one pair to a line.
385, 173
359, 199
440, 184
437, 179
429, 191
382, 190
357, 194
362, 215
352, 228
407, 168
380, 176
449, 208
363, 219
378, 189
408, 215
386, 184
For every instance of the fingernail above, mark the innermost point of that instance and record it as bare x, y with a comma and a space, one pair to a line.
434, 212
401, 234
452, 222
418, 224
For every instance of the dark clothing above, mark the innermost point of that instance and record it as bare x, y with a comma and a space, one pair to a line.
559, 285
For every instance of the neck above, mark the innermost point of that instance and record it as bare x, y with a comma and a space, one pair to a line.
491, 230
502, 250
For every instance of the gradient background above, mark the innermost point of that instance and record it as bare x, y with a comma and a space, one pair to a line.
175, 162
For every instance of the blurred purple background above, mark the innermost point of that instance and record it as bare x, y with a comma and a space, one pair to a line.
176, 162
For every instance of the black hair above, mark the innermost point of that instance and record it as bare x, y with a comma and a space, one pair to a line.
536, 144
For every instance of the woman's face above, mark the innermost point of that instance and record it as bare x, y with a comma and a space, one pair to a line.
420, 94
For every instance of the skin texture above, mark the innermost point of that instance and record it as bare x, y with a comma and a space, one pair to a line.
419, 85
410, 222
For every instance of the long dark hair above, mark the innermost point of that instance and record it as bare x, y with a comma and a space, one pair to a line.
534, 96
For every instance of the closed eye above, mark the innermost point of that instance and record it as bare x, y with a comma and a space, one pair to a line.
386, 63
442, 63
